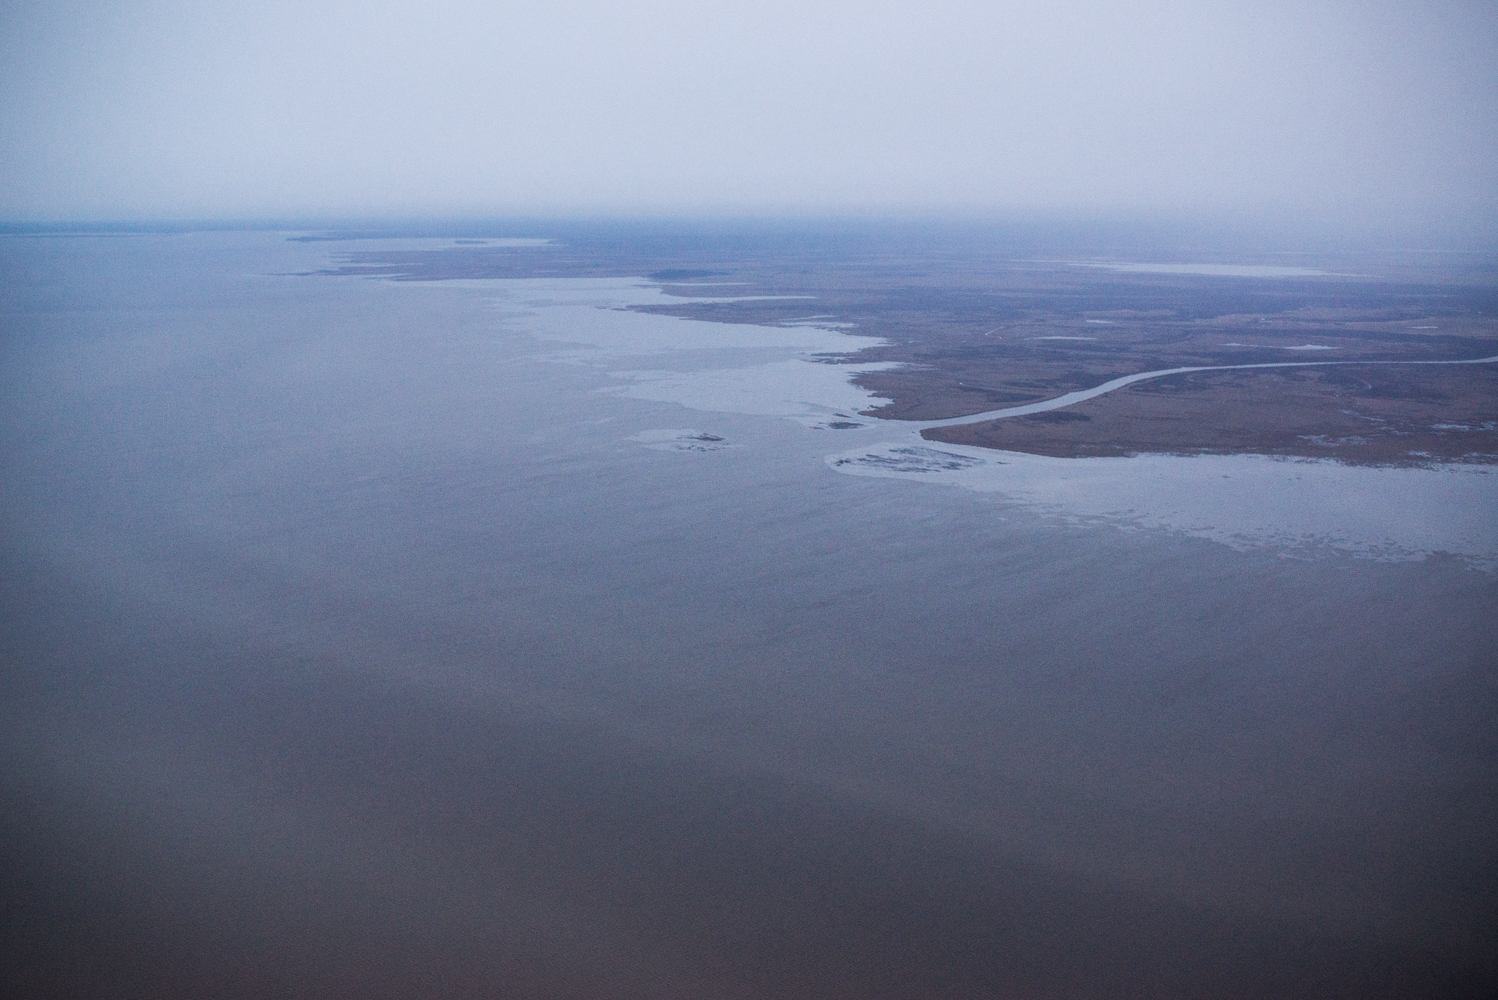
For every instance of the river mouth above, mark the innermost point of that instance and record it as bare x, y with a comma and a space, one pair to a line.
1293, 504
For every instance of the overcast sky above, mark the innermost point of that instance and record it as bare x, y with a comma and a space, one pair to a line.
203, 109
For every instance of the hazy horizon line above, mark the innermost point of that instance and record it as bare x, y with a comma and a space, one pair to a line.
1225, 230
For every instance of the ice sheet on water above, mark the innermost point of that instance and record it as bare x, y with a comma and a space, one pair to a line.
1245, 501
680, 439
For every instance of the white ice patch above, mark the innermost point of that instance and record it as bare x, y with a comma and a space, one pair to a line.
918, 460
596, 314
713, 367
680, 439
1245, 501
1277, 347
813, 394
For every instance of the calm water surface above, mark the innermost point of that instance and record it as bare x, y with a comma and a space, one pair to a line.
369, 639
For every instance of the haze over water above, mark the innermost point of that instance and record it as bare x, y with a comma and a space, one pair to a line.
372, 638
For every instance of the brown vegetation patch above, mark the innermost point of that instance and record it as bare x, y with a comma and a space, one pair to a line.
1366, 415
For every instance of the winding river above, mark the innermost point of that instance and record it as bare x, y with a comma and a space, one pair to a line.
1084, 394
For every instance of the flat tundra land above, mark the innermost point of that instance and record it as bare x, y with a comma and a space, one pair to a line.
1360, 415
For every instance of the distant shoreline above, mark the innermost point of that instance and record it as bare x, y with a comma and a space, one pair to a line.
1026, 354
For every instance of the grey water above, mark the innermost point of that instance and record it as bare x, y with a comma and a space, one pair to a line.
352, 647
